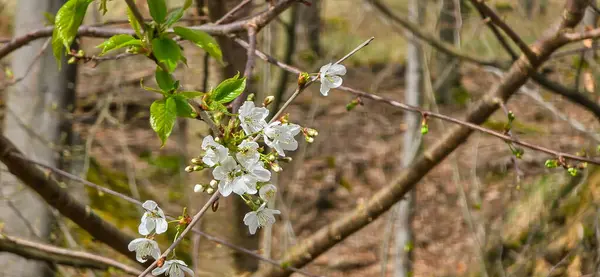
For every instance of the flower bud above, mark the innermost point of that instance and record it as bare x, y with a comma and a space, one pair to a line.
198, 167
303, 78
189, 169
275, 167
284, 119
196, 161
198, 188
309, 139
210, 190
286, 159
311, 132
268, 100
213, 183
250, 97
72, 60
271, 157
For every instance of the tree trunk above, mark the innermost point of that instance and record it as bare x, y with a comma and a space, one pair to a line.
412, 141
310, 26
34, 123
227, 222
446, 66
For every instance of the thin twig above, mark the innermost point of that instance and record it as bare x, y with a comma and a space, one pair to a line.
51, 253
190, 226
139, 203
496, 20
232, 12
403, 106
299, 89
250, 62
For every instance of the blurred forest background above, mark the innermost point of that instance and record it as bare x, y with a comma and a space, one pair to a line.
481, 212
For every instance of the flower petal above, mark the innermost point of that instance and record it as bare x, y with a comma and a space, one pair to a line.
161, 225
335, 81
160, 270
149, 205
337, 69
324, 88
324, 69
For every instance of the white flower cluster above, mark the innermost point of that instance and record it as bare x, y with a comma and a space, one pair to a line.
153, 223
240, 167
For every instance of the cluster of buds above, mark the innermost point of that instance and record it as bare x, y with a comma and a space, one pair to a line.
309, 134
208, 188
561, 161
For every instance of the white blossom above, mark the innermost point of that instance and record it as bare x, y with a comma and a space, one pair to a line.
173, 268
330, 77
267, 192
258, 171
281, 136
247, 153
153, 218
252, 119
144, 248
231, 178
215, 152
260, 218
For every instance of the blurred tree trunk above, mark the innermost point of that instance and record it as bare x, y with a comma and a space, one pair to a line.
534, 7
35, 123
227, 222
309, 25
446, 66
412, 137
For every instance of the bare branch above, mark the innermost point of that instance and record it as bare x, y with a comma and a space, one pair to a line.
51, 253
232, 12
248, 70
495, 19
430, 39
331, 234
406, 107
259, 20
50, 190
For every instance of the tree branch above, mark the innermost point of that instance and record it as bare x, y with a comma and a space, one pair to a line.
259, 20
138, 203
232, 12
495, 19
410, 108
430, 39
50, 253
331, 234
50, 190
248, 70
195, 220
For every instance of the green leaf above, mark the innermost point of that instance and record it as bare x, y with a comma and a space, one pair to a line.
49, 19
229, 89
166, 51
164, 80
191, 94
151, 89
134, 23
174, 16
183, 107
202, 40
216, 106
118, 41
163, 114
68, 19
158, 10
177, 14
57, 47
